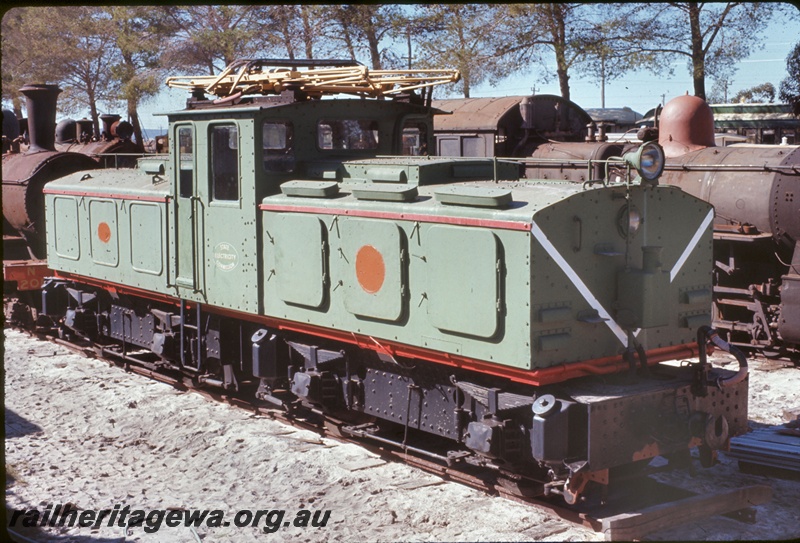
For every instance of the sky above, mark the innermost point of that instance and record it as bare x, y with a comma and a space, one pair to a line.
643, 91
640, 91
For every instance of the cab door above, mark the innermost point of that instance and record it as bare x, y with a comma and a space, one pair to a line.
226, 213
216, 238
186, 269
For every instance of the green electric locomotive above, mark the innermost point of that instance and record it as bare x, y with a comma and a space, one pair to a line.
302, 249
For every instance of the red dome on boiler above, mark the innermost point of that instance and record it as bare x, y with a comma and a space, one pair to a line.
686, 124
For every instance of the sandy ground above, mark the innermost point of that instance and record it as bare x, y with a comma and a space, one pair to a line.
82, 432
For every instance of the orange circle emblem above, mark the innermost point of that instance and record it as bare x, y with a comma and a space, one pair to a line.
104, 232
370, 270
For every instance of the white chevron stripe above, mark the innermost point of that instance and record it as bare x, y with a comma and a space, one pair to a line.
692, 244
579, 284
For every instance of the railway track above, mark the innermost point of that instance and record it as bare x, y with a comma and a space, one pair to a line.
633, 508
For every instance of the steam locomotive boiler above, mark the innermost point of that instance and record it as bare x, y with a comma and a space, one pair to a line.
442, 306
755, 190
24, 176
113, 147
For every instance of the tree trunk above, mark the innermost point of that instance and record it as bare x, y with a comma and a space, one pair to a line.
348, 38
308, 32
90, 95
95, 118
559, 32
133, 115
374, 46
466, 78
563, 82
698, 55
374, 49
17, 104
287, 33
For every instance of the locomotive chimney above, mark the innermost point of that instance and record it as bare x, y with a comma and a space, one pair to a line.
108, 121
41, 116
84, 128
526, 109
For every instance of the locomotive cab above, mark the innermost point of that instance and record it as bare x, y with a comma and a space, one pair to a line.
226, 159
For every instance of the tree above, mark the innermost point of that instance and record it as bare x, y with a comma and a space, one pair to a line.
712, 37
77, 54
209, 37
597, 53
364, 28
16, 67
554, 26
764, 93
790, 87
298, 28
466, 37
138, 32
579, 37
719, 92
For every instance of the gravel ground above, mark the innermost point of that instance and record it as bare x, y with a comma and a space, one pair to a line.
81, 432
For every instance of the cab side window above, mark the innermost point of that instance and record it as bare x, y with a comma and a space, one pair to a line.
341, 134
278, 138
224, 162
415, 139
185, 162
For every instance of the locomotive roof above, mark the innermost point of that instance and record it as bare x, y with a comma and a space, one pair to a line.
256, 104
125, 183
475, 113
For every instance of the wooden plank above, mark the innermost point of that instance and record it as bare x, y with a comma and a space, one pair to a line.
413, 484
634, 525
364, 464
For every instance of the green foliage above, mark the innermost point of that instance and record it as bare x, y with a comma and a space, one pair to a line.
790, 86
582, 38
209, 37
764, 93
365, 31
297, 29
712, 37
466, 37
120, 54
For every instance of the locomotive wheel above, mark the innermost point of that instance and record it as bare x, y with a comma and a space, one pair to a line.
772, 355
708, 456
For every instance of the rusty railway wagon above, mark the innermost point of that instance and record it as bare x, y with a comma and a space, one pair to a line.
294, 247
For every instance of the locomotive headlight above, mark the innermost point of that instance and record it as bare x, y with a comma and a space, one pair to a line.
648, 160
629, 220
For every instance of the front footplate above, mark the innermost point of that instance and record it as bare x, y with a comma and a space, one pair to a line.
659, 415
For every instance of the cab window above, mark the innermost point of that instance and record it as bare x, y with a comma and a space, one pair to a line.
185, 162
345, 134
415, 139
278, 152
225, 162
